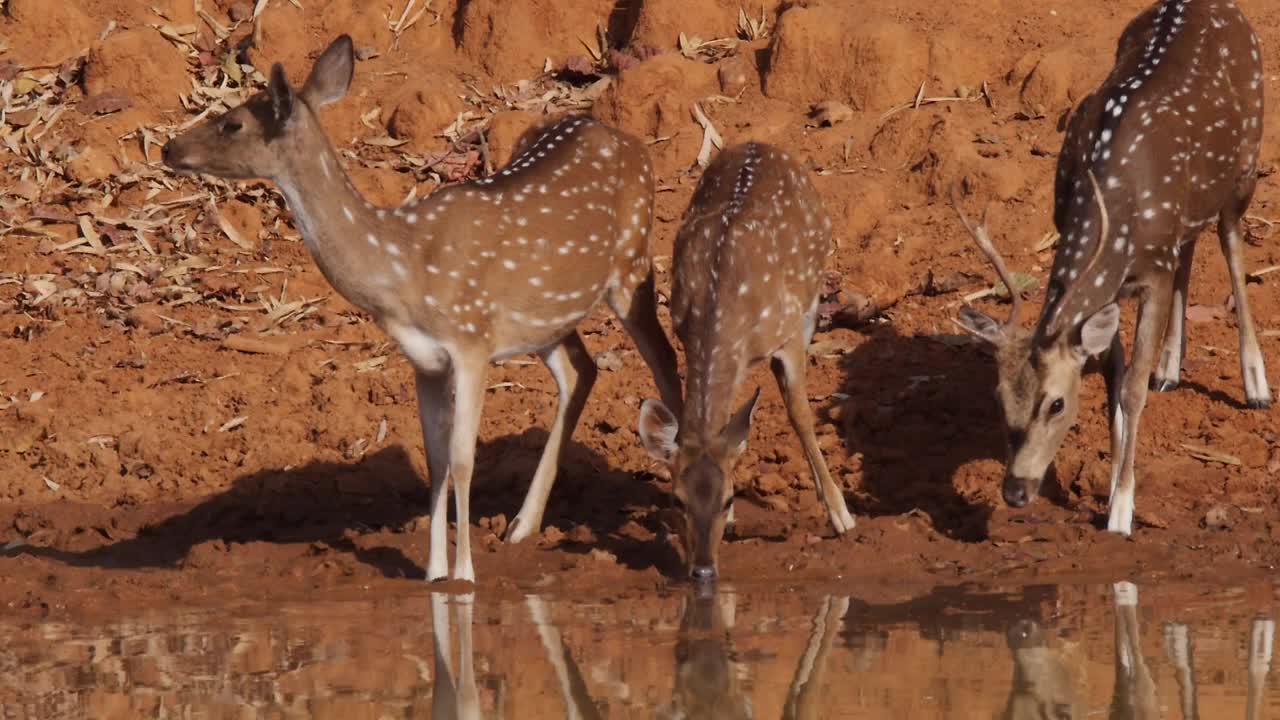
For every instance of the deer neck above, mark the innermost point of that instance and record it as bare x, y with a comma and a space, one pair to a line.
710, 384
356, 245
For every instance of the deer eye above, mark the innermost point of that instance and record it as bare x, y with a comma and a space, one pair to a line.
229, 127
1056, 407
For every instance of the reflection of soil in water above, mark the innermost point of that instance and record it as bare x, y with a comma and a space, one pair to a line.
1068, 652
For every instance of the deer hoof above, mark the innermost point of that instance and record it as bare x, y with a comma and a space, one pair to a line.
1159, 385
1259, 403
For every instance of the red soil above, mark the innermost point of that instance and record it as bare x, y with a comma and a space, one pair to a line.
117, 391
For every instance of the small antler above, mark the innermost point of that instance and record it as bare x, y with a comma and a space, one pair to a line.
979, 233
1055, 322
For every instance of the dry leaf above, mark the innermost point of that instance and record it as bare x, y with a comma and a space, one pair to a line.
233, 423
1203, 453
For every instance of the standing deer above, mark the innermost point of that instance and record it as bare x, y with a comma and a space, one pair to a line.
1167, 144
747, 273
476, 272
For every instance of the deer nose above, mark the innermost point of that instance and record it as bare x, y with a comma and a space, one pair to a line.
1015, 493
166, 153
703, 573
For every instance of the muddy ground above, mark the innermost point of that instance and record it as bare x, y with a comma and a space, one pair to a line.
188, 412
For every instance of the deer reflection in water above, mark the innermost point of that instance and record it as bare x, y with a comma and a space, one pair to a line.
708, 680
1048, 681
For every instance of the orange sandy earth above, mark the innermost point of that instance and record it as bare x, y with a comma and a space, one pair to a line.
188, 412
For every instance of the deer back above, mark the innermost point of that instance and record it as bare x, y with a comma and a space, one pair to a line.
748, 268
1172, 136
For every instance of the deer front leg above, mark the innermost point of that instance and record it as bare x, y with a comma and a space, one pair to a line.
1153, 314
1114, 378
789, 370
435, 410
468, 400
1167, 374
575, 372
638, 310
1252, 367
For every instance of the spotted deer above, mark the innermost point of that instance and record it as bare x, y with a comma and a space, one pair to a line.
1166, 145
476, 272
746, 277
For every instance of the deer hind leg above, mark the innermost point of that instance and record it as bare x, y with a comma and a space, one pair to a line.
1153, 314
1175, 339
789, 370
575, 372
468, 401
1177, 645
638, 309
435, 410
1252, 367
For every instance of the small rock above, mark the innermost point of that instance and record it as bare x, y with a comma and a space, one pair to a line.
240, 11
771, 484
609, 361
581, 535
498, 524
552, 536
1273, 464
777, 503
1218, 518
734, 75
830, 112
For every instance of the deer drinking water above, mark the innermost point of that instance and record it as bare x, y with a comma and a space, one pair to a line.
1167, 144
746, 277
476, 272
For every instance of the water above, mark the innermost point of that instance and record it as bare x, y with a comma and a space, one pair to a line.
1041, 652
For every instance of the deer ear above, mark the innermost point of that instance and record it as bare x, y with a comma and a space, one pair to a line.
331, 75
658, 430
281, 95
1097, 331
981, 326
739, 427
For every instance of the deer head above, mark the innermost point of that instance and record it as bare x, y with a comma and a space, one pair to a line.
702, 476
256, 139
1038, 374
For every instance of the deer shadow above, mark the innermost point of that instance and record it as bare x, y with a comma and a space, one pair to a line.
920, 408
325, 502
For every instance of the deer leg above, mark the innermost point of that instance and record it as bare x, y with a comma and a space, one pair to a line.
1153, 314
789, 370
468, 399
1252, 367
435, 410
1114, 377
1177, 644
444, 700
467, 693
1175, 338
638, 310
1261, 637
575, 372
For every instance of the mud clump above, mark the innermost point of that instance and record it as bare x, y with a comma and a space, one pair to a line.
134, 63
826, 53
422, 110
507, 134
1050, 83
45, 33
655, 100
513, 40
